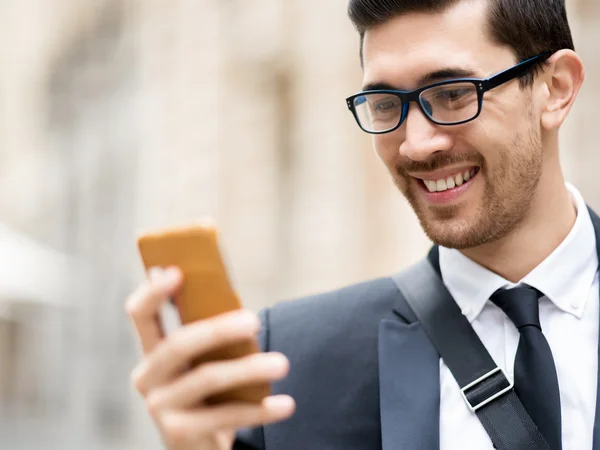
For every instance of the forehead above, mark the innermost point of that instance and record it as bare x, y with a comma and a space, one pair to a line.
407, 47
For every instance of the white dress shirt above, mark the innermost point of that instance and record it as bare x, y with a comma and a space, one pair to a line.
569, 318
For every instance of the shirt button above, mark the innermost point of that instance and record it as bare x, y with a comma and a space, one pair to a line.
466, 311
574, 304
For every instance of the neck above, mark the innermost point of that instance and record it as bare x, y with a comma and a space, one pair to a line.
550, 219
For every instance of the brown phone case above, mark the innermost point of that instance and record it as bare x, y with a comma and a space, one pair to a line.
206, 291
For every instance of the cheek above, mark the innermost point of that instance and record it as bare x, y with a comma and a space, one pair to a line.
506, 114
485, 142
387, 149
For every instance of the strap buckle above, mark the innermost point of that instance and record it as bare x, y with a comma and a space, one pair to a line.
486, 389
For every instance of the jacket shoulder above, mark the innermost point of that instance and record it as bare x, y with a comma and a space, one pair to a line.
354, 310
331, 341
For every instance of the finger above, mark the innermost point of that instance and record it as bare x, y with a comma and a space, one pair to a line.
144, 305
177, 351
187, 427
218, 377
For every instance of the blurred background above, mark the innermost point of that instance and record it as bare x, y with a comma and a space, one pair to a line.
118, 116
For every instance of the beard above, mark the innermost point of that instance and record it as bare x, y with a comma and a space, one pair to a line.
509, 190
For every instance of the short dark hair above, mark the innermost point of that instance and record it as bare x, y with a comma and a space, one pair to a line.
529, 27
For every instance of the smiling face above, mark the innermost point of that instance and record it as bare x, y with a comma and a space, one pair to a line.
469, 184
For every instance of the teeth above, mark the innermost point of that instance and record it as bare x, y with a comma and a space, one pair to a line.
450, 182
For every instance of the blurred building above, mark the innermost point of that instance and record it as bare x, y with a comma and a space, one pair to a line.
122, 115
33, 284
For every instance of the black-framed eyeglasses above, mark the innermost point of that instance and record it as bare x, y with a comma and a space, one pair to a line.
452, 102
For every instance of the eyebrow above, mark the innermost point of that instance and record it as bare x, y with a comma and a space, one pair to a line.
432, 77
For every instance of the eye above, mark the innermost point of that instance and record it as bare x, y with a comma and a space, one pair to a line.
386, 105
454, 95
451, 96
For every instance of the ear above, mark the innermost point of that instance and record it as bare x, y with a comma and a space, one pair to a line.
563, 77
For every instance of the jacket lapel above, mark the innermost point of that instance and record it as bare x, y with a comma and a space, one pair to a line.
409, 384
596, 446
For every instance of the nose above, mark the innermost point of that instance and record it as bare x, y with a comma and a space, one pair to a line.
422, 137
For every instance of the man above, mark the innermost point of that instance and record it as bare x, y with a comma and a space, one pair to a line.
477, 157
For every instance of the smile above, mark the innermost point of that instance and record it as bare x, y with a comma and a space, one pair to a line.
445, 186
451, 181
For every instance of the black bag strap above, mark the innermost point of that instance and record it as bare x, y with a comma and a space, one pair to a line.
484, 386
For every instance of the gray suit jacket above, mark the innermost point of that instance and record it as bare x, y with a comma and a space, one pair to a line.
363, 373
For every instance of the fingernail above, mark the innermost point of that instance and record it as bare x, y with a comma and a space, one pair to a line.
280, 403
248, 319
172, 274
155, 273
164, 277
276, 361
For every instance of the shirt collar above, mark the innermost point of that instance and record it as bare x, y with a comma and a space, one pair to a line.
564, 277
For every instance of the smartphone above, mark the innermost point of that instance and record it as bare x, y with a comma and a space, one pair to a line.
206, 291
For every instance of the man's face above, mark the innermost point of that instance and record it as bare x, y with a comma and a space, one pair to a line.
495, 162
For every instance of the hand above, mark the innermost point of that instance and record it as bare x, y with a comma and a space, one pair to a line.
174, 394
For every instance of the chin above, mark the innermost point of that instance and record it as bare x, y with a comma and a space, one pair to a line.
459, 239
455, 241
453, 227
465, 231
459, 226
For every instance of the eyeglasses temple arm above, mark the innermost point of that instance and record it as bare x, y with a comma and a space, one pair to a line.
514, 72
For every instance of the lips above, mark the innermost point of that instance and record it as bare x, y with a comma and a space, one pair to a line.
449, 187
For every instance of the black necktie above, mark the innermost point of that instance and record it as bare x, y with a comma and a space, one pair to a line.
536, 382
